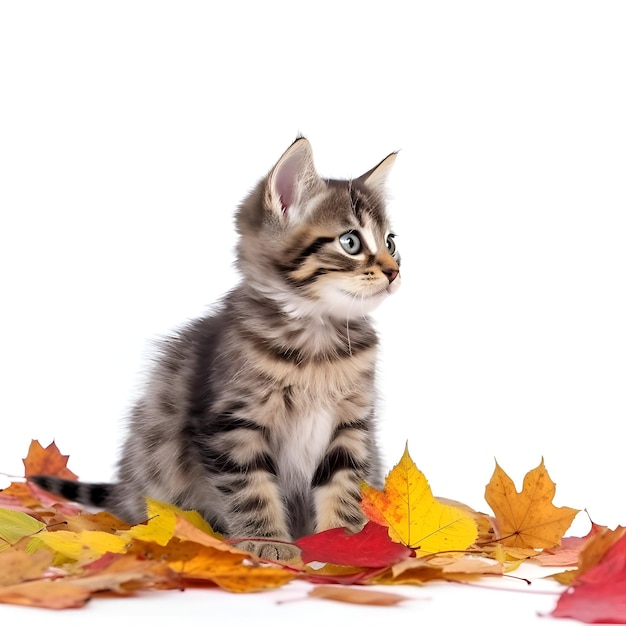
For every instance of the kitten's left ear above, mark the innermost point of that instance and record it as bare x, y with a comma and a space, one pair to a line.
376, 178
293, 178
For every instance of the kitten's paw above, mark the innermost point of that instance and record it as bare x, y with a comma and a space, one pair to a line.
271, 550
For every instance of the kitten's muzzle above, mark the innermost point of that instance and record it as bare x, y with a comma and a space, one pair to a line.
391, 273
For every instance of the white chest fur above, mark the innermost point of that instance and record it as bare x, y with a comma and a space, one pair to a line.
303, 444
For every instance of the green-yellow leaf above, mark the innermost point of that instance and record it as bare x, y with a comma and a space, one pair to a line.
14, 525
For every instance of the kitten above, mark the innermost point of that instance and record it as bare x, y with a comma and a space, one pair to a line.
260, 415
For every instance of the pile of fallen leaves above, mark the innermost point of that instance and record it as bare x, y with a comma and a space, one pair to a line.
54, 554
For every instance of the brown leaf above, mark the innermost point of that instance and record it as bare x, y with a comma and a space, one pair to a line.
467, 565
122, 573
340, 575
357, 596
102, 521
17, 566
47, 461
508, 554
440, 567
413, 571
186, 531
47, 594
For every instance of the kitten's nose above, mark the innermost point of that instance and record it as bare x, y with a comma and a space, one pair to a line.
391, 273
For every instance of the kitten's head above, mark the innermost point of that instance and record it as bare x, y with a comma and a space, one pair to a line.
316, 246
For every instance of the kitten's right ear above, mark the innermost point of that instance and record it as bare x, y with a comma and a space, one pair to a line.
292, 178
376, 178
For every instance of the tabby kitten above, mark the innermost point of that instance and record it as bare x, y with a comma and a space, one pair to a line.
260, 415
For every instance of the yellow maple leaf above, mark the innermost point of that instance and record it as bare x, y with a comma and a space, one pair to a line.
84, 545
160, 526
162, 521
414, 516
528, 519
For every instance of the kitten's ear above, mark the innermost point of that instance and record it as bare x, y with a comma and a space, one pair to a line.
293, 177
376, 178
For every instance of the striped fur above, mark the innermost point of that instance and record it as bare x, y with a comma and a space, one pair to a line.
261, 415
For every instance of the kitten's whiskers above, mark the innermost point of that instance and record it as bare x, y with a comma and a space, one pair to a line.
348, 326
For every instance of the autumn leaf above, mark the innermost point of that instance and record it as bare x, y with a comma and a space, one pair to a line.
569, 552
511, 555
46, 594
187, 531
31, 499
102, 521
594, 604
413, 515
597, 546
121, 574
228, 572
160, 526
113, 573
48, 461
196, 563
54, 554
18, 497
417, 571
371, 547
599, 594
357, 596
528, 519
163, 520
341, 575
14, 525
78, 545
17, 565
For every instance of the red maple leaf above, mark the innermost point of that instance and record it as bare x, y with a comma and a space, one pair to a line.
371, 547
599, 594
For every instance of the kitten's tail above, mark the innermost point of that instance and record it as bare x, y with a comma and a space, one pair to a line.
92, 494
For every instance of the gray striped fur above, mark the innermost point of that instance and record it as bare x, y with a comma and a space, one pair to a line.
261, 415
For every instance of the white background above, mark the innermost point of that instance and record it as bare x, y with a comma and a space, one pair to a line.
129, 132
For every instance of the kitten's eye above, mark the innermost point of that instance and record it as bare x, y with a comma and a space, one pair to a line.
391, 245
350, 242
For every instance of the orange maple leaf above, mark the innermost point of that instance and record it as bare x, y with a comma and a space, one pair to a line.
528, 519
48, 461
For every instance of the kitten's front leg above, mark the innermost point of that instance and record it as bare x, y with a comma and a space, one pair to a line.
337, 481
257, 517
251, 508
